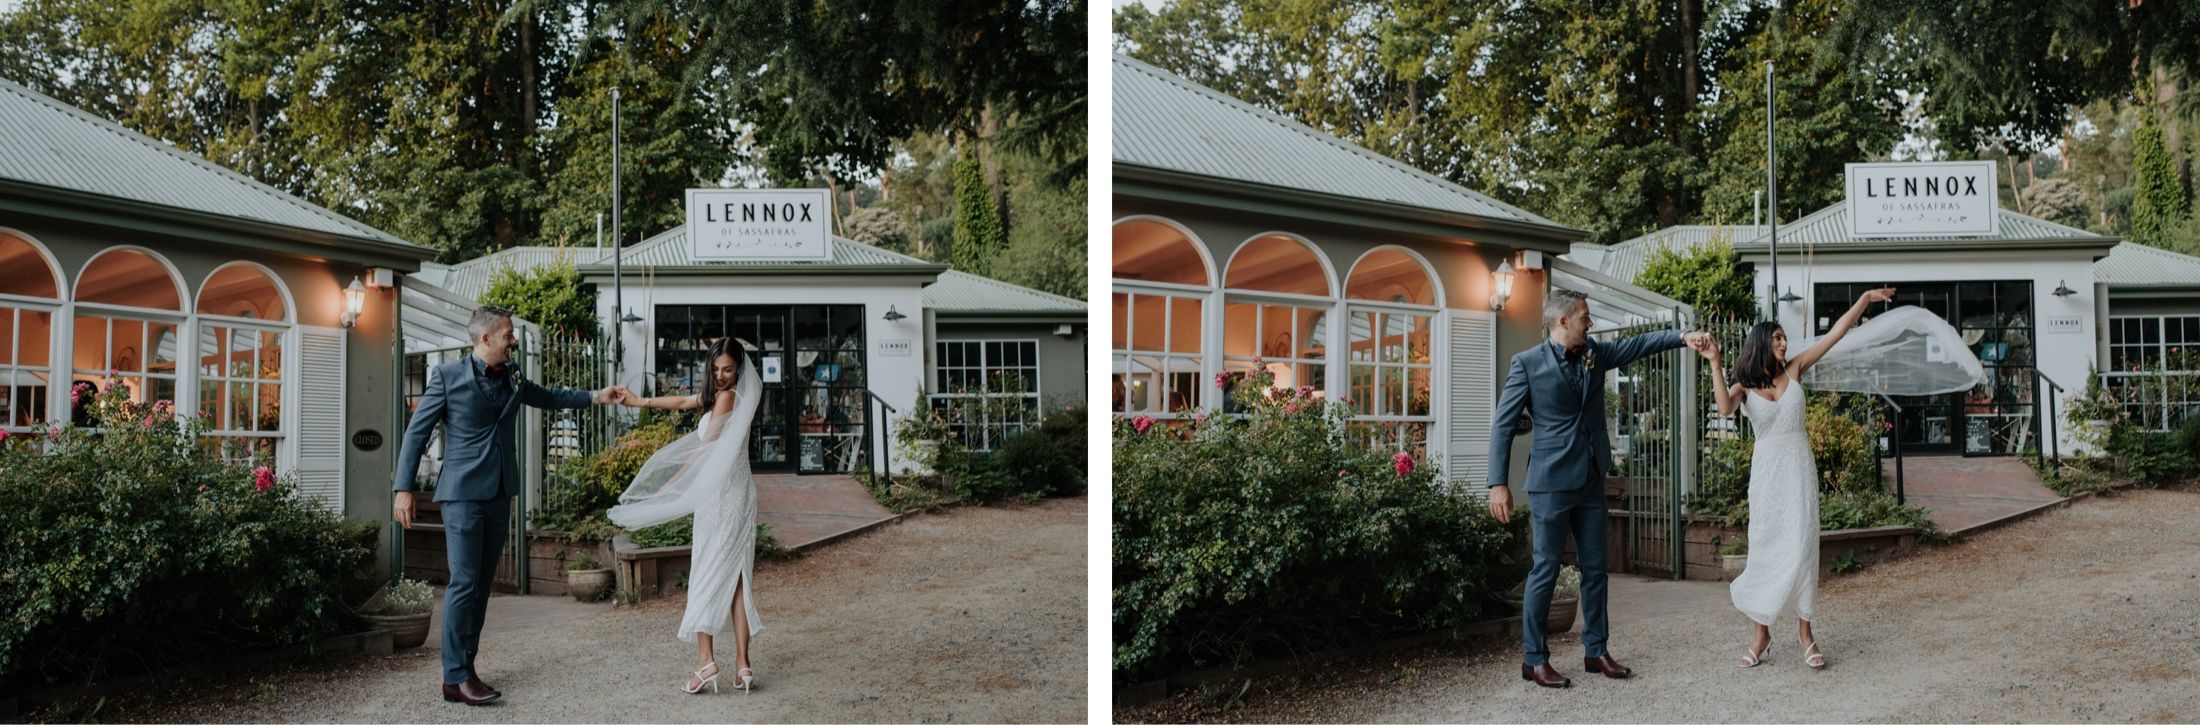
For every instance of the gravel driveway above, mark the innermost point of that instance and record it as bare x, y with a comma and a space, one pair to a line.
2086, 614
976, 614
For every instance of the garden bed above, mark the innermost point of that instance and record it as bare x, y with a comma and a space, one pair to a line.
373, 641
1702, 538
428, 559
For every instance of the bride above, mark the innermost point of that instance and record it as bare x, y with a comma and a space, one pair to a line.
1782, 575
706, 473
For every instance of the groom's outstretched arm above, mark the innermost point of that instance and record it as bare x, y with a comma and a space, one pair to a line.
1505, 424
424, 418
1619, 354
541, 397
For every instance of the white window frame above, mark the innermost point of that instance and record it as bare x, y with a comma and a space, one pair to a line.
279, 438
2157, 420
990, 432
20, 306
1167, 358
1384, 372
1299, 304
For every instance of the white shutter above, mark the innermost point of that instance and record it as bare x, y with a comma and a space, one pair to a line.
1473, 387
314, 407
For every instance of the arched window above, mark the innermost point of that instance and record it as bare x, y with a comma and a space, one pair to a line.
129, 309
1161, 281
1277, 296
30, 291
243, 316
1393, 305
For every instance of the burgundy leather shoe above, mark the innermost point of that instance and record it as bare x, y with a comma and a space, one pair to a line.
470, 692
475, 680
1605, 664
1545, 675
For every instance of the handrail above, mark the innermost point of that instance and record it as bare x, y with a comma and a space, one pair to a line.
2053, 436
886, 437
1894, 440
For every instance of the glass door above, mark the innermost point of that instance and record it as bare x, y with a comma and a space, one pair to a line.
813, 414
1995, 319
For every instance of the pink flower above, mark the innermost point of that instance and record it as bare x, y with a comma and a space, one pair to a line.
3, 436
148, 422
1340, 473
202, 488
1222, 380
1306, 391
1290, 407
263, 478
1199, 417
54, 433
1141, 423
1403, 462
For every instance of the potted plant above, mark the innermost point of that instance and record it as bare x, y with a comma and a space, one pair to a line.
403, 607
2093, 411
1565, 600
1734, 556
585, 578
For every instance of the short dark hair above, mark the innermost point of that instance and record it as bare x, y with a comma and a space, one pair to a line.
486, 316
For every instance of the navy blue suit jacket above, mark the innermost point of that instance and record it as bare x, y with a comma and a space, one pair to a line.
480, 461
1569, 442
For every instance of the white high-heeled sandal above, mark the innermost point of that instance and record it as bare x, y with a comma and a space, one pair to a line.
1813, 656
1753, 658
745, 679
695, 684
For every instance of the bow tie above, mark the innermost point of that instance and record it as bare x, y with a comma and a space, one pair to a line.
496, 371
1574, 355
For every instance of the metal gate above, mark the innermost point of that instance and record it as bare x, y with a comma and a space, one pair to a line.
1652, 415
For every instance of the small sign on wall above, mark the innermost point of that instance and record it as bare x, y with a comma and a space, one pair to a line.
732, 224
1922, 199
770, 369
894, 348
2064, 324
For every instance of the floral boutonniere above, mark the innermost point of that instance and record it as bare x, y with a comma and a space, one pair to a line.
1589, 358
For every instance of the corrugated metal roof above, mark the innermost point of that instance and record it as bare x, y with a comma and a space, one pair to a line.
1831, 226
1626, 259
1163, 121
962, 292
669, 249
50, 143
472, 277
2131, 264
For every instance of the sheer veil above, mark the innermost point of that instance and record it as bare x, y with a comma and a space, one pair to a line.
1907, 350
674, 480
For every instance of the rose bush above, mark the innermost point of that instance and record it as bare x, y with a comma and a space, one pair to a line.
135, 546
1240, 536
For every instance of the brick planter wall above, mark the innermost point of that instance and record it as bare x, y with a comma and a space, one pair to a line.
427, 559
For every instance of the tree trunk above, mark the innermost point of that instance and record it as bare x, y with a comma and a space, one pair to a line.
989, 124
527, 76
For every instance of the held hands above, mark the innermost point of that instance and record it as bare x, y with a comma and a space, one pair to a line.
616, 394
1705, 345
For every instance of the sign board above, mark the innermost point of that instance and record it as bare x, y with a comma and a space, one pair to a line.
2064, 324
759, 224
770, 369
893, 348
1923, 199
367, 440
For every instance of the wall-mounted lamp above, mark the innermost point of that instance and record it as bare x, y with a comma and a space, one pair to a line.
381, 278
894, 316
630, 317
1789, 296
355, 299
2063, 290
1504, 285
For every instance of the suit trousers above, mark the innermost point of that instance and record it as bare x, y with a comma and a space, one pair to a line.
473, 535
1581, 512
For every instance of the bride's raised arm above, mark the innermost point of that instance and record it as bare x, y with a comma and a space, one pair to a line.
1728, 395
1803, 360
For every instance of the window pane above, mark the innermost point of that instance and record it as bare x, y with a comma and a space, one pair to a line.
271, 356
211, 401
1122, 320
271, 407
1185, 323
1417, 392
7, 335
1149, 323
35, 342
240, 407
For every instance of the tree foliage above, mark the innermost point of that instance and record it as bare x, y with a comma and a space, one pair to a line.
2160, 204
978, 234
550, 295
1708, 277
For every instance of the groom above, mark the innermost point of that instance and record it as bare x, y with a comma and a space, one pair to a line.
1560, 382
476, 399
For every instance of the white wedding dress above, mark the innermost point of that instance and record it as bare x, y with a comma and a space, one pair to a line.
706, 473
1781, 578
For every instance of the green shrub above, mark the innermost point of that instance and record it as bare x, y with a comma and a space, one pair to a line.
1840, 447
1237, 537
1723, 492
1048, 460
135, 547
2150, 458
1867, 509
576, 497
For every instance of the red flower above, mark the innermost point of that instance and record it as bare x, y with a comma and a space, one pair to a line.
1403, 462
263, 478
3, 436
1141, 423
1290, 407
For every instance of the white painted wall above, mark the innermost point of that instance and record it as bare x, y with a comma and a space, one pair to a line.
895, 379
2063, 356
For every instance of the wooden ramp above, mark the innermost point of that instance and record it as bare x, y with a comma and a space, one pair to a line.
805, 511
1963, 493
